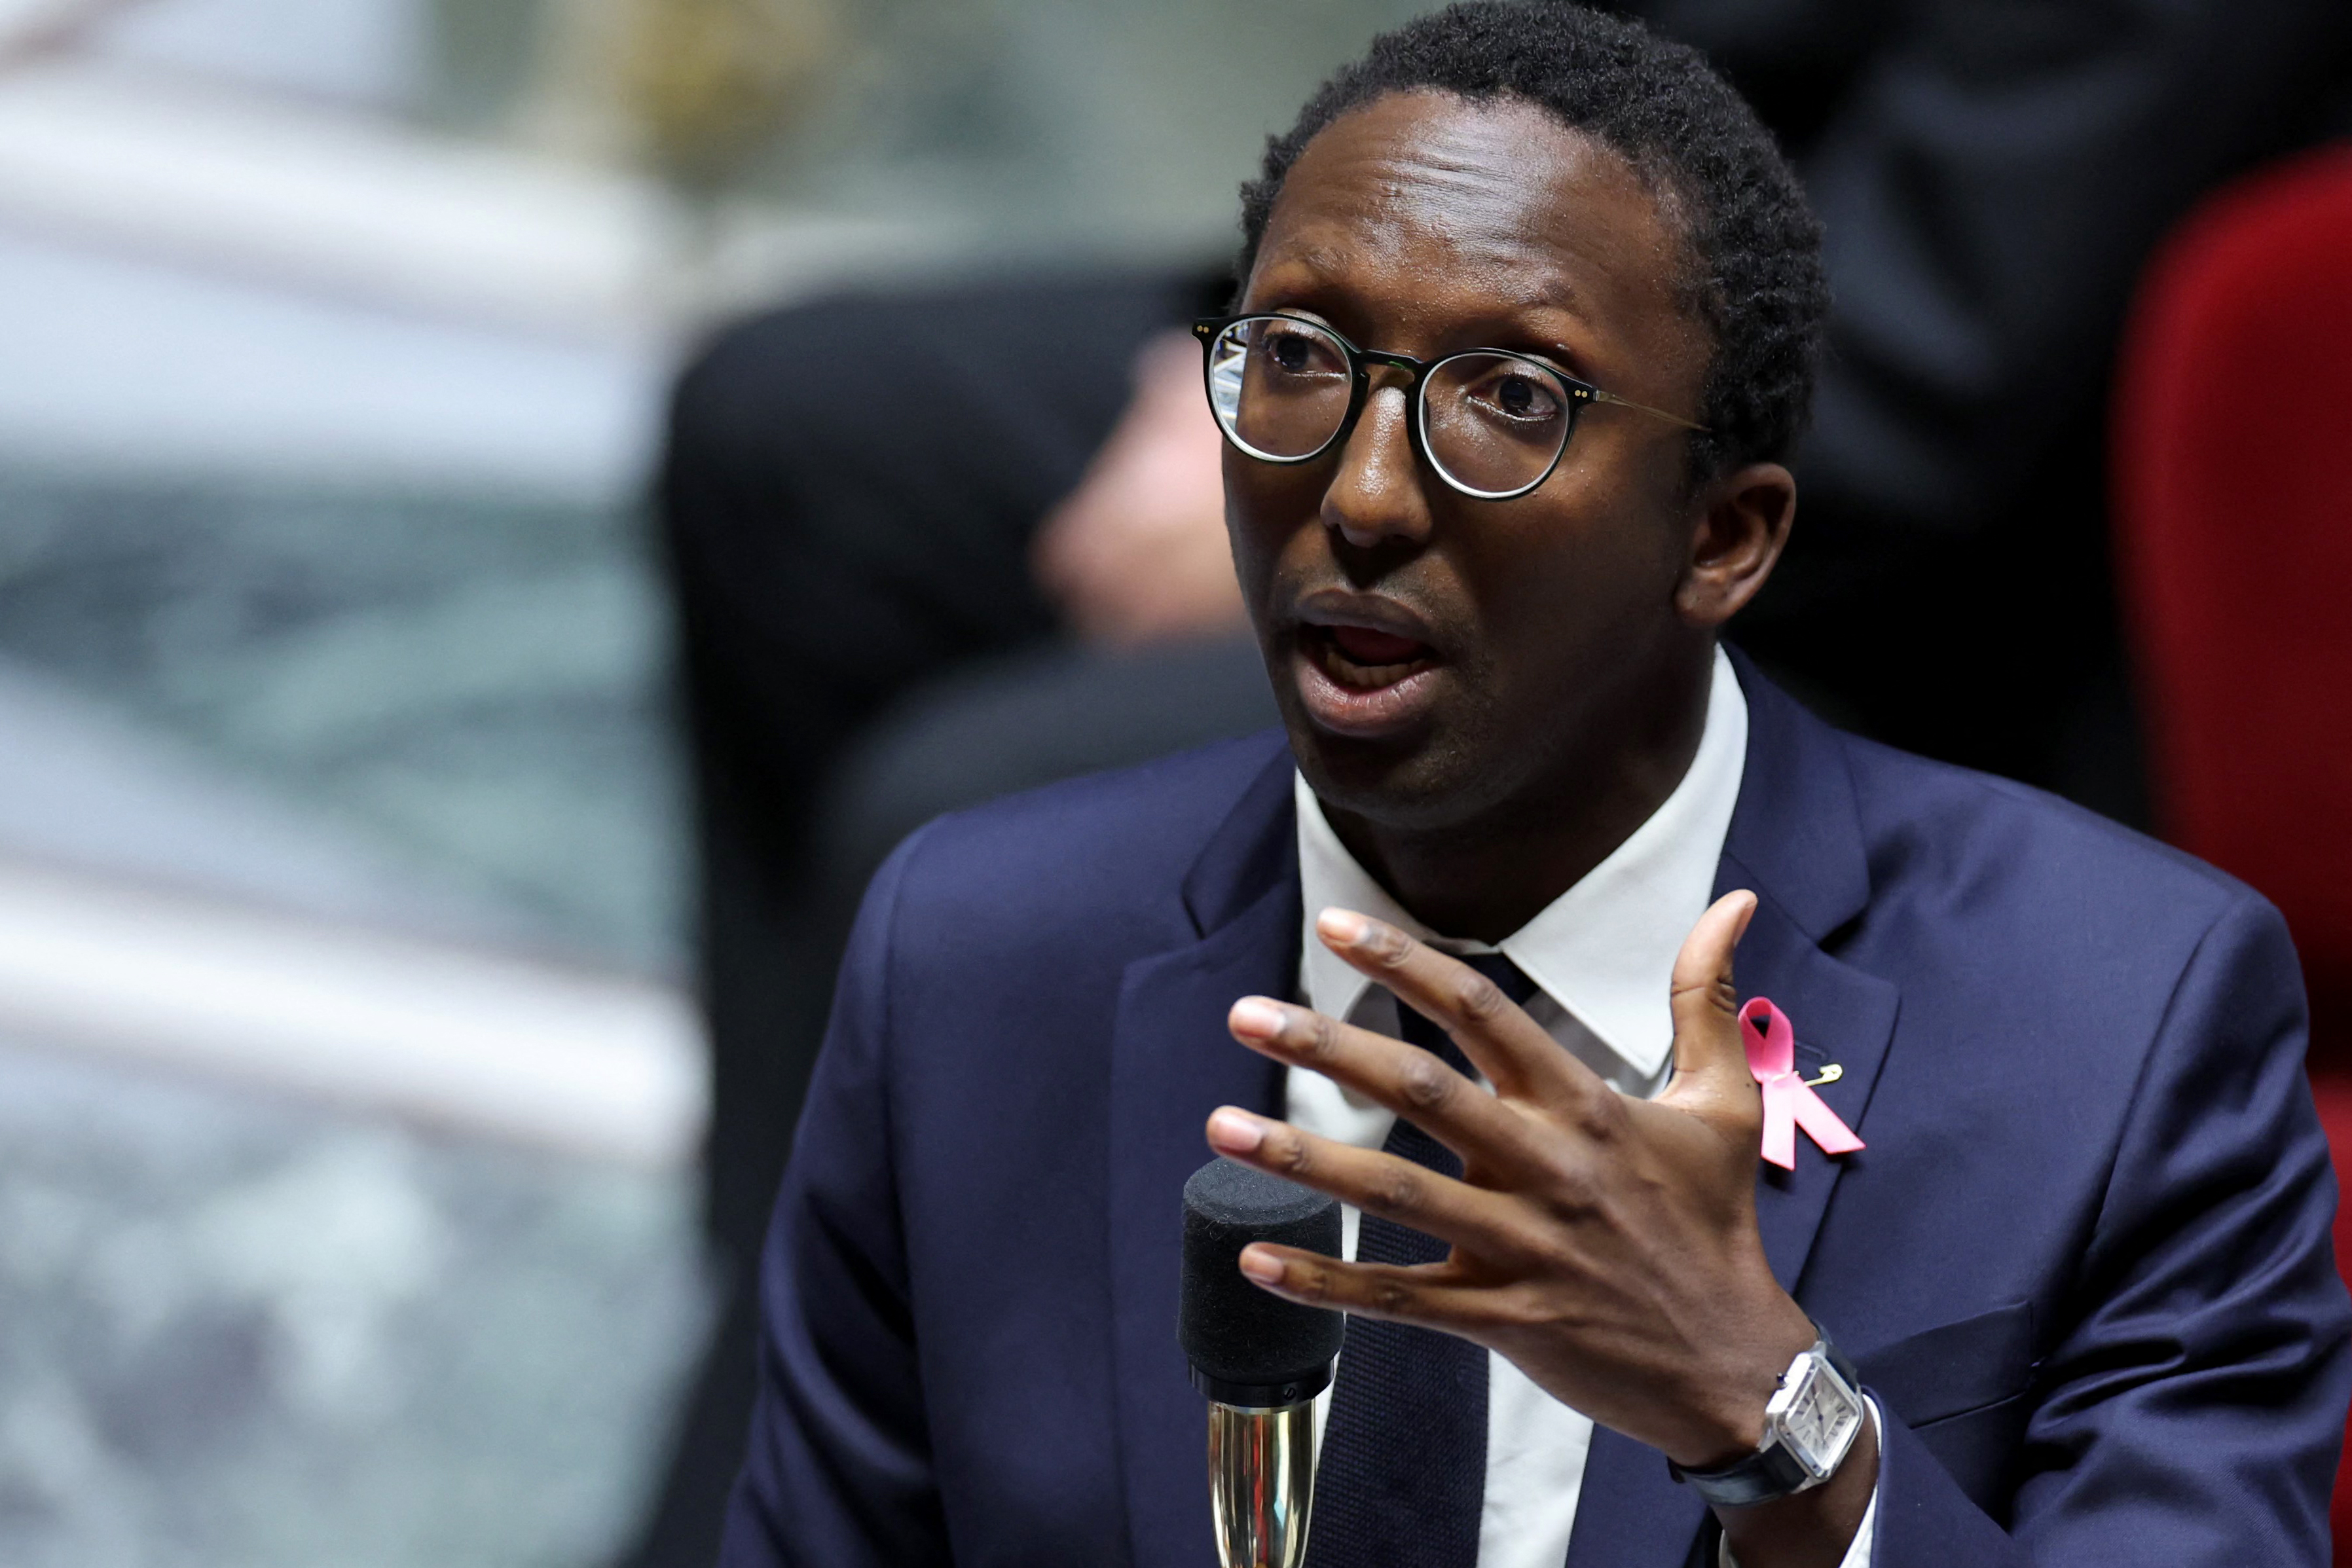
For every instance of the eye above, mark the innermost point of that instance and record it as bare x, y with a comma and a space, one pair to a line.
1518, 393
1296, 349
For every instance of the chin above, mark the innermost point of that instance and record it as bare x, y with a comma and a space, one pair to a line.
1421, 779
1398, 743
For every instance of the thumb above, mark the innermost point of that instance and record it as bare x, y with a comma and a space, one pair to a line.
1707, 1050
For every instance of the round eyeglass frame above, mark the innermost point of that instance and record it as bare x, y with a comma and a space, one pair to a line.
1577, 394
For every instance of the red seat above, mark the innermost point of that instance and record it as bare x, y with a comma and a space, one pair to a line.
2232, 463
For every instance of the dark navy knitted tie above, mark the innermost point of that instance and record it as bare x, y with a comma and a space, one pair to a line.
1402, 1478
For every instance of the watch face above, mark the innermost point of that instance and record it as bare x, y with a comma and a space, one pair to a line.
1819, 1419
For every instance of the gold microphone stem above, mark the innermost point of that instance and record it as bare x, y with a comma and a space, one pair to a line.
1262, 1484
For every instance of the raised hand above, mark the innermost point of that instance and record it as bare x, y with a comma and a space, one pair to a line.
1605, 1245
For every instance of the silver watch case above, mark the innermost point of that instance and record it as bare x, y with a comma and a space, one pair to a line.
1814, 1415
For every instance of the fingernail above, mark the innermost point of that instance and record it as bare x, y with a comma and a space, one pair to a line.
1255, 1017
1234, 1131
1342, 925
1746, 916
1263, 1267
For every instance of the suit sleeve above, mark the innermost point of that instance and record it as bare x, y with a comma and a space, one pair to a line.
2190, 1409
838, 1470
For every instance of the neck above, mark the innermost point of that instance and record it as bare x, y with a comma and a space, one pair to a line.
1486, 878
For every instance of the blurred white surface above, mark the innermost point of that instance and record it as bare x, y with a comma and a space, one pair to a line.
312, 193
125, 366
462, 1039
368, 51
198, 281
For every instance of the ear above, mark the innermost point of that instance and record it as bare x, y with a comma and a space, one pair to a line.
1739, 524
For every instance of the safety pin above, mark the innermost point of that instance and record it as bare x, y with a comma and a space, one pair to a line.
1829, 1074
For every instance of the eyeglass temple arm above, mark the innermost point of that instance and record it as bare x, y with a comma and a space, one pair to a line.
1600, 396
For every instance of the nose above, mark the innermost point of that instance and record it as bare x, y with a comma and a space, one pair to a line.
1375, 496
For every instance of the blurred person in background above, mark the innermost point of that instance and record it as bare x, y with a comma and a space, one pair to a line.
931, 548
927, 548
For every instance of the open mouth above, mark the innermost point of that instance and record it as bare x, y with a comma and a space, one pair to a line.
1362, 659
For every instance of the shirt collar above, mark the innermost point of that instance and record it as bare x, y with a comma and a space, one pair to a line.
1604, 950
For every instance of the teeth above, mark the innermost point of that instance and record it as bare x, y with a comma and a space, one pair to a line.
1366, 677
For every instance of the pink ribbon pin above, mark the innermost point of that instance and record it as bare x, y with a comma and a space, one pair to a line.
1789, 1101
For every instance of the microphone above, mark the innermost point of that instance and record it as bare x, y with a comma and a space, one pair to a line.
1259, 1359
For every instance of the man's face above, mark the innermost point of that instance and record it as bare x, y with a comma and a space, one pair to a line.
1439, 657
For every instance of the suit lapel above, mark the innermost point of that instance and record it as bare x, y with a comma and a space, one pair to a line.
1172, 1063
1843, 1016
1795, 839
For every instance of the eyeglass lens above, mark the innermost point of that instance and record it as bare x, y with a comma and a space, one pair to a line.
1492, 423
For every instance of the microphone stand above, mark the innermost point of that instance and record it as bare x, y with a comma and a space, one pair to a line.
1262, 1484
1258, 1360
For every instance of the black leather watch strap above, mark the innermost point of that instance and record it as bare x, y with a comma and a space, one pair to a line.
1771, 1472
1766, 1476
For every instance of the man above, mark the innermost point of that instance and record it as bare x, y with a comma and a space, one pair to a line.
1526, 328
920, 627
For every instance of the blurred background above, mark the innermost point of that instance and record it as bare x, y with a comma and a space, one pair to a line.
350, 1082
508, 507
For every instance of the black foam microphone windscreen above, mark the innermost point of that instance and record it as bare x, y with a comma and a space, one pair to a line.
1248, 1346
1260, 1360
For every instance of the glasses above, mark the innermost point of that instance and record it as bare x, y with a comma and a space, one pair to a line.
1492, 424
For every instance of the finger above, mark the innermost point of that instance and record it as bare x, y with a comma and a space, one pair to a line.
1511, 1049
1412, 1196
1428, 1295
1409, 1081
1707, 1048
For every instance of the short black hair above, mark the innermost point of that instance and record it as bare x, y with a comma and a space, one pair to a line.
1755, 275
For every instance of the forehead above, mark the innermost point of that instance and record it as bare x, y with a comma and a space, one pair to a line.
1429, 206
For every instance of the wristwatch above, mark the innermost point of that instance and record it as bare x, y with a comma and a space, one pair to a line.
1812, 1420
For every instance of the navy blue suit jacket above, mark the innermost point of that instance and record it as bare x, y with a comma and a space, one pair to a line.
2084, 1264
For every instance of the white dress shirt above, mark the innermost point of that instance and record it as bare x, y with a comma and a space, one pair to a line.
1602, 956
